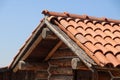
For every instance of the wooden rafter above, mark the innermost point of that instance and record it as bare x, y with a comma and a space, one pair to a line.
53, 50
39, 39
28, 47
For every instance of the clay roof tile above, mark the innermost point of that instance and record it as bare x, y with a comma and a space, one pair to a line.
100, 36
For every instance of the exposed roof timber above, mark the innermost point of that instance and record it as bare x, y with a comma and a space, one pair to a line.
71, 44
39, 39
28, 48
48, 34
77, 64
50, 54
32, 66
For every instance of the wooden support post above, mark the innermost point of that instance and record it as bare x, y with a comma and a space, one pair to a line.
53, 50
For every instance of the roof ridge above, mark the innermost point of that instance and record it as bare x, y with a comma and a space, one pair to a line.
66, 14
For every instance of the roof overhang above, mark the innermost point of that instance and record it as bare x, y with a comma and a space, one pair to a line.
30, 44
36, 38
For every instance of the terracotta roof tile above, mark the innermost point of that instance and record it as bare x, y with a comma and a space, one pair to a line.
98, 37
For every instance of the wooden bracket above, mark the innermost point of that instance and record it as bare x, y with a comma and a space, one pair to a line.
50, 54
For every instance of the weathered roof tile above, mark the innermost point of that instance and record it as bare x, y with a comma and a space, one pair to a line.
100, 37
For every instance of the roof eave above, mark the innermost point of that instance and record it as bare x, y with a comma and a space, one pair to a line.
27, 45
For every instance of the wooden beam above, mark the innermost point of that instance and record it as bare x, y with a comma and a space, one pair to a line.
60, 62
25, 50
41, 75
26, 45
61, 71
53, 50
32, 66
74, 62
39, 39
77, 64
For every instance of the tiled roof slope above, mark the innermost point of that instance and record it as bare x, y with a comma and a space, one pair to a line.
98, 37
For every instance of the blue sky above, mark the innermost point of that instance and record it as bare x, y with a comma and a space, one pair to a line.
18, 18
